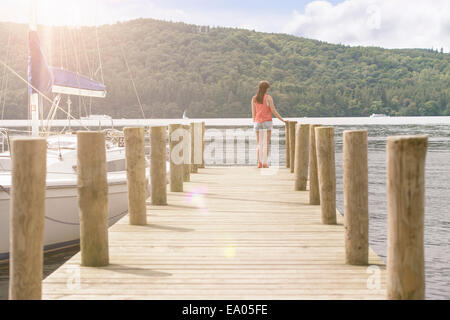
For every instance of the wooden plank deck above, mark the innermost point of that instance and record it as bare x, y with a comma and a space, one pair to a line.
233, 234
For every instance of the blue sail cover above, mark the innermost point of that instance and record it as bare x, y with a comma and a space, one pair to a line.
68, 79
39, 75
50, 79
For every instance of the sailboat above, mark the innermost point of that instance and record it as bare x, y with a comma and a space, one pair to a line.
62, 217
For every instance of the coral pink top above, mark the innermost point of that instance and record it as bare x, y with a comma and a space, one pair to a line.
262, 111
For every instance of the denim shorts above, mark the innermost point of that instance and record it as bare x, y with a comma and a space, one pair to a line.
267, 125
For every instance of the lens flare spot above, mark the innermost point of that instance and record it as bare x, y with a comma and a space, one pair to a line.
230, 252
196, 198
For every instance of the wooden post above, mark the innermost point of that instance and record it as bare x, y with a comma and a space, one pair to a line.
406, 198
158, 168
186, 154
136, 178
197, 142
326, 173
27, 212
314, 194
93, 198
194, 166
203, 145
176, 157
286, 144
292, 145
356, 205
301, 156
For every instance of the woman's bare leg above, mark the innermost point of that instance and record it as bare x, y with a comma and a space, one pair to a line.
257, 146
264, 152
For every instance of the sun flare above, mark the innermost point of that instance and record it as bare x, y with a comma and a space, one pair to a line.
66, 12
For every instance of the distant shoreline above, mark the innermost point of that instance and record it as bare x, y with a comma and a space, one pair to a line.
220, 122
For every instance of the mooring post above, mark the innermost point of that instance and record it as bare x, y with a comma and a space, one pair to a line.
158, 168
292, 125
301, 157
186, 154
326, 173
194, 166
27, 215
93, 198
286, 143
203, 145
176, 157
197, 143
356, 197
406, 201
314, 194
136, 178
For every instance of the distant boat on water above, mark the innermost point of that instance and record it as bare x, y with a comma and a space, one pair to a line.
184, 115
378, 115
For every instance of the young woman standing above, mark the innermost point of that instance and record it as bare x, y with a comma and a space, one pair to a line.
262, 110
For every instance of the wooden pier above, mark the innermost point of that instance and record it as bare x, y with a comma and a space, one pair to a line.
233, 233
228, 232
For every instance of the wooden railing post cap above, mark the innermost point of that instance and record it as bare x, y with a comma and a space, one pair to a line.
27, 138
324, 128
419, 140
23, 141
86, 132
355, 131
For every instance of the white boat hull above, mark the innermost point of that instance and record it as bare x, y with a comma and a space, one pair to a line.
62, 224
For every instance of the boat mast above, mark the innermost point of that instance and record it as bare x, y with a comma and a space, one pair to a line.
34, 96
69, 103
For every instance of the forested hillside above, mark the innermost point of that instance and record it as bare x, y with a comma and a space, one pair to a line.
213, 72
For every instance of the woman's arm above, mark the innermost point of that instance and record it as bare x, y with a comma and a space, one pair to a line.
273, 109
253, 110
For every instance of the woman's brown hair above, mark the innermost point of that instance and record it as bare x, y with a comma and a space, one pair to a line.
262, 89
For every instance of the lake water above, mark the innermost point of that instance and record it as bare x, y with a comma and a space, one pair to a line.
437, 205
437, 198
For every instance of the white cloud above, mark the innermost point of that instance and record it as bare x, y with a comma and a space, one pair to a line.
384, 23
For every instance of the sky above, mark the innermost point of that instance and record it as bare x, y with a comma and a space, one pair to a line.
384, 23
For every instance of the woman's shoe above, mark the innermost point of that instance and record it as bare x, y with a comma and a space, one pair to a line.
259, 165
265, 165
